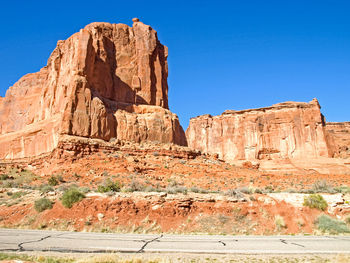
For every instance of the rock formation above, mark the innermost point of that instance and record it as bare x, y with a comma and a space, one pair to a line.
284, 130
339, 135
106, 81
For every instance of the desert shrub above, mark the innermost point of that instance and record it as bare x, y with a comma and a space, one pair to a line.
53, 181
173, 183
245, 190
19, 178
71, 196
258, 191
18, 194
136, 186
196, 189
315, 201
45, 188
176, 190
279, 221
109, 186
85, 190
235, 193
347, 220
268, 189
42, 204
322, 186
330, 225
344, 189
4, 177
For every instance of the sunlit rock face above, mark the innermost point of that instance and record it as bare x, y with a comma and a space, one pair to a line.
106, 81
339, 134
284, 130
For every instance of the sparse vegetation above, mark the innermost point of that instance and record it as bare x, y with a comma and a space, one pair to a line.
45, 188
17, 178
42, 204
71, 196
279, 221
18, 194
53, 181
154, 258
315, 201
330, 225
235, 193
347, 220
136, 186
176, 190
344, 189
109, 186
322, 186
198, 190
4, 177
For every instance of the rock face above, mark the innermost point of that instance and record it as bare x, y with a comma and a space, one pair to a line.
339, 134
106, 81
284, 130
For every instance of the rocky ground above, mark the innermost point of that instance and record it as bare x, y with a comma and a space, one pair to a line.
154, 257
153, 188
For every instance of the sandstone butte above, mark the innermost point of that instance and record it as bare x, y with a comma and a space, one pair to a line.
108, 81
284, 131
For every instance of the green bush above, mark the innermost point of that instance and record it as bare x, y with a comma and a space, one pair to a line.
71, 196
330, 225
315, 201
18, 194
42, 204
109, 186
4, 177
53, 181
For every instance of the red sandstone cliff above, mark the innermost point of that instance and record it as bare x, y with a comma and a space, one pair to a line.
284, 130
106, 81
339, 134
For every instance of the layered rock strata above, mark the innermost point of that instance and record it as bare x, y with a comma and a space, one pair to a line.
339, 134
284, 130
106, 81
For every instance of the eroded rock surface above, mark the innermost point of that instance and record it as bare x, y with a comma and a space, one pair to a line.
106, 81
282, 131
339, 133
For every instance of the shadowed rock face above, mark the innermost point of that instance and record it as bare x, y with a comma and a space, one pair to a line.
106, 81
284, 130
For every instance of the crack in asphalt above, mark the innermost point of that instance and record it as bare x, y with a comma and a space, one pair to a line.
292, 243
222, 243
20, 245
148, 242
297, 244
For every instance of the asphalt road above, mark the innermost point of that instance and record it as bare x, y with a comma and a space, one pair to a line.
77, 242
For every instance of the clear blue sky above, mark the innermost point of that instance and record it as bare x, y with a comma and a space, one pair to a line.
222, 54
